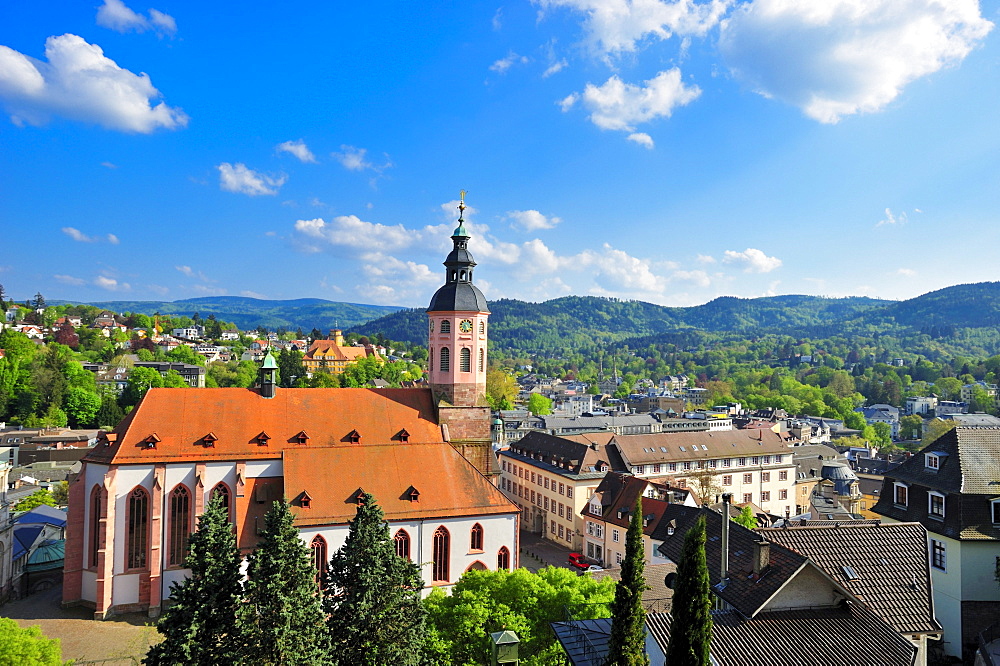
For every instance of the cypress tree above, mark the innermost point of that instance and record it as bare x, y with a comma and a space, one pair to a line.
691, 609
627, 645
282, 618
375, 615
200, 627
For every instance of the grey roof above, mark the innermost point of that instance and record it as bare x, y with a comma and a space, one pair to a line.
656, 597
458, 297
848, 635
585, 641
890, 560
971, 465
972, 419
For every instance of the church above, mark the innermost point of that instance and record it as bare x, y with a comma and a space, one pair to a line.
424, 454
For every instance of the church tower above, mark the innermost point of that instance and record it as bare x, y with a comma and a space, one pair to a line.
457, 330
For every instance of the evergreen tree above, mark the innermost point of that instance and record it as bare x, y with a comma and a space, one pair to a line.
627, 646
691, 608
201, 626
283, 621
375, 614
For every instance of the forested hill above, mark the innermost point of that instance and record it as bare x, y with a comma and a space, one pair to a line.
248, 313
959, 319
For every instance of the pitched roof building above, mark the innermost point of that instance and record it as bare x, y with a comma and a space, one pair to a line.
141, 489
952, 488
334, 355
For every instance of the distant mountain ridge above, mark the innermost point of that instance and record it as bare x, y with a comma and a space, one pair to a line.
966, 317
249, 313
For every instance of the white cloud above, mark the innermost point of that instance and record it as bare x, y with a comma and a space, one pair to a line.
80, 83
238, 178
114, 14
617, 105
698, 277
754, 260
207, 290
78, 235
298, 149
616, 26
252, 294
111, 284
841, 57
555, 68
113, 239
531, 220
158, 289
906, 272
642, 139
378, 265
69, 279
354, 159
351, 231
503, 64
109, 165
891, 220
192, 273
498, 18
705, 259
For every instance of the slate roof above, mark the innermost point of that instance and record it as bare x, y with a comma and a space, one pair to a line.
968, 475
619, 492
746, 592
656, 596
849, 635
180, 421
447, 485
562, 455
890, 561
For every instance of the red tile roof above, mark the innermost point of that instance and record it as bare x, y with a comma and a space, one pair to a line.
446, 484
181, 418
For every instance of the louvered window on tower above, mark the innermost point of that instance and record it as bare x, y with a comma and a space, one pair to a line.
466, 360
445, 359
446, 326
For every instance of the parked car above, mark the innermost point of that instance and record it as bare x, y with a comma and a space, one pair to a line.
583, 563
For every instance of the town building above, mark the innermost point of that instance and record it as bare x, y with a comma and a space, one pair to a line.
424, 454
951, 488
882, 413
331, 355
990, 390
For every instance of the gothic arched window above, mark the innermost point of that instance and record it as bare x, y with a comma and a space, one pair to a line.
95, 526
445, 359
402, 540
476, 537
503, 559
465, 360
319, 558
137, 528
180, 525
221, 491
442, 554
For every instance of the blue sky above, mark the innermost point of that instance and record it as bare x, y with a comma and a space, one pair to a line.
667, 151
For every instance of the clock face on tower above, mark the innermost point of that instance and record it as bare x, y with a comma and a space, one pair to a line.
465, 326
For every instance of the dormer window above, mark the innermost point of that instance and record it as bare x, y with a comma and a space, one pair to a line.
305, 501
262, 438
900, 496
595, 508
301, 437
151, 441
210, 439
932, 461
359, 497
995, 511
403, 436
413, 494
354, 437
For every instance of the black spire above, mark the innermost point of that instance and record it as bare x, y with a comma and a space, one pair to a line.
458, 292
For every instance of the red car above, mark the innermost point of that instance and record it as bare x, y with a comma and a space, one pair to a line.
582, 562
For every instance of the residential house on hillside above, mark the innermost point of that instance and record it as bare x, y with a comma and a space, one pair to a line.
333, 355
921, 405
952, 488
968, 391
882, 414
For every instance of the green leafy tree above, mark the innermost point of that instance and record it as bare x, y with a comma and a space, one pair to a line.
60, 493
81, 406
174, 379
201, 626
910, 426
140, 380
110, 413
35, 499
691, 608
373, 605
746, 518
290, 368
935, 429
21, 647
501, 388
282, 617
539, 405
185, 354
627, 645
526, 603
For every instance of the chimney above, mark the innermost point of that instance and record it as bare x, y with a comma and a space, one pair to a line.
761, 556
724, 572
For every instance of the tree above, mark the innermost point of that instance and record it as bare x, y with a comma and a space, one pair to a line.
66, 335
290, 368
935, 429
39, 302
201, 626
482, 602
282, 617
174, 379
746, 518
27, 646
691, 607
35, 500
706, 484
81, 406
539, 405
501, 389
60, 493
140, 380
910, 426
627, 644
373, 605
